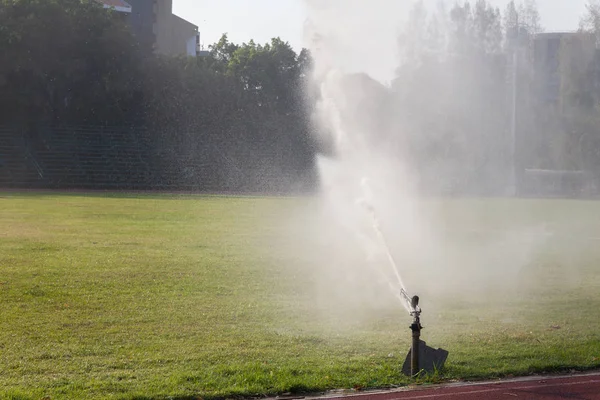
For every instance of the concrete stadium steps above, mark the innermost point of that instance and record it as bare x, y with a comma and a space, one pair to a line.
120, 158
16, 161
72, 158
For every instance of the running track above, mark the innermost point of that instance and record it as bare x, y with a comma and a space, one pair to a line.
579, 387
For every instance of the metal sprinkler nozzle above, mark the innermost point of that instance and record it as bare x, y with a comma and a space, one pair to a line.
414, 303
421, 357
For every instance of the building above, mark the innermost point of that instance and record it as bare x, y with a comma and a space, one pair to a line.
556, 55
158, 30
563, 63
117, 5
546, 59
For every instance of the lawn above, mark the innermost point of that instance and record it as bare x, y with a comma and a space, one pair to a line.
159, 297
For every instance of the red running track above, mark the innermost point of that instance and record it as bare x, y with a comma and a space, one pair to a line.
580, 387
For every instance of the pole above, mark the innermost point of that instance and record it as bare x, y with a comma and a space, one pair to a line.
513, 131
415, 327
514, 109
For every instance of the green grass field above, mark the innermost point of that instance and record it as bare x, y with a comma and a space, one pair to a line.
161, 297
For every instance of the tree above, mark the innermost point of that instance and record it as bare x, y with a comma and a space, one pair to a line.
412, 42
590, 21
223, 49
65, 61
487, 25
234, 120
529, 17
511, 23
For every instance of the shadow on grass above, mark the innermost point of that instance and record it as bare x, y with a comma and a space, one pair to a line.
129, 194
304, 390
166, 398
294, 391
429, 379
563, 369
117, 194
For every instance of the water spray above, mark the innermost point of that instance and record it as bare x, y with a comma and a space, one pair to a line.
420, 356
400, 292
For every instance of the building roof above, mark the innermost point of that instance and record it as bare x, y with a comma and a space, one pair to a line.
555, 35
188, 24
117, 5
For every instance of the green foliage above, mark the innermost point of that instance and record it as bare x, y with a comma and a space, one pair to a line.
64, 61
529, 17
67, 63
245, 109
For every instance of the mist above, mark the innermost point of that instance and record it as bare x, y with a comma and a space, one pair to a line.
413, 105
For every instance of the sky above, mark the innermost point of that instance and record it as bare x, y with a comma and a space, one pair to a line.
262, 20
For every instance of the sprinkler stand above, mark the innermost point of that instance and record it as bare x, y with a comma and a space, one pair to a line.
415, 327
420, 357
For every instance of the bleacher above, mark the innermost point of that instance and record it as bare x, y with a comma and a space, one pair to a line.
557, 183
98, 158
131, 159
16, 162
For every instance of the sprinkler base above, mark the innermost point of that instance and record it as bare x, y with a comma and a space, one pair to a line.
430, 359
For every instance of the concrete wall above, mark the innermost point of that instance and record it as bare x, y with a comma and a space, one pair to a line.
179, 37
192, 46
142, 19
162, 27
575, 50
159, 31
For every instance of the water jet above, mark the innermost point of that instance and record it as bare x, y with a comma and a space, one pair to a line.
420, 358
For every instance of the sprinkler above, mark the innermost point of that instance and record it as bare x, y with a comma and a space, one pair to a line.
420, 357
415, 327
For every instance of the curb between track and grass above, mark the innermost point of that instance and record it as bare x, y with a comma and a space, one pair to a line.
443, 389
